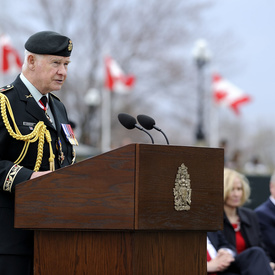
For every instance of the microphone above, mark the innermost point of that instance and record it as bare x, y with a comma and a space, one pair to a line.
149, 123
130, 122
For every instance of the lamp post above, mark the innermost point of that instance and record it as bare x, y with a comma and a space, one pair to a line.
92, 101
201, 55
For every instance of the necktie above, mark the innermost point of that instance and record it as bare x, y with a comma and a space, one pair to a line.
44, 105
44, 102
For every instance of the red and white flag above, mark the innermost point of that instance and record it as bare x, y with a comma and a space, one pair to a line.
10, 59
116, 80
225, 93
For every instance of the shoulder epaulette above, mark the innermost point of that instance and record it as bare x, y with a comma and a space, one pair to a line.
6, 88
55, 96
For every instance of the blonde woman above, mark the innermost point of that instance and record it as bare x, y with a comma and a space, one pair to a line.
241, 226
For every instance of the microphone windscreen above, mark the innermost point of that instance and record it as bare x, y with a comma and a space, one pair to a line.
127, 121
146, 121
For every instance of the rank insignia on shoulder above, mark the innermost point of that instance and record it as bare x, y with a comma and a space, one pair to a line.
55, 96
6, 88
69, 133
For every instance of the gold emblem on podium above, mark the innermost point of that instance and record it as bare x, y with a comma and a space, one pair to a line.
182, 189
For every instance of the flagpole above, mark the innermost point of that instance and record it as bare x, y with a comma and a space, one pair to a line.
106, 120
115, 81
214, 126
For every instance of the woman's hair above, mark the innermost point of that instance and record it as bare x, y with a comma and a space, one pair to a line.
229, 178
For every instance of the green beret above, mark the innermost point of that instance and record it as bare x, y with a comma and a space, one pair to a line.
48, 42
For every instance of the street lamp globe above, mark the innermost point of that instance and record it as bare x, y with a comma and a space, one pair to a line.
201, 53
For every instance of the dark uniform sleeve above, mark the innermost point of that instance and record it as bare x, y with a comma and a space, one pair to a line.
12, 174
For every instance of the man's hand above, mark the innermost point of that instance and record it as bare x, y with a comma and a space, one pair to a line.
38, 174
272, 266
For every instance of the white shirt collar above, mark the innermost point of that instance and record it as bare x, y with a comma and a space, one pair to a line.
34, 92
272, 200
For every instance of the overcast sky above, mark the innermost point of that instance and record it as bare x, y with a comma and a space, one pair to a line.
252, 23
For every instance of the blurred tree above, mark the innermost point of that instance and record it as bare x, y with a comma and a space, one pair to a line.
153, 41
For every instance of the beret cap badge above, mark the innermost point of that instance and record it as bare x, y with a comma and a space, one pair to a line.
70, 46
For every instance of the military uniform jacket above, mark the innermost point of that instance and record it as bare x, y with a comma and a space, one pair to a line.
266, 215
27, 114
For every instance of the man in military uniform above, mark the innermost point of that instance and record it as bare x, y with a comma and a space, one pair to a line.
35, 137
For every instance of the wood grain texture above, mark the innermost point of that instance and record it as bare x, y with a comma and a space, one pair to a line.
128, 188
97, 193
157, 171
120, 253
114, 213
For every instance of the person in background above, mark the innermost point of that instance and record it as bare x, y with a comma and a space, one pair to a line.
222, 258
235, 161
241, 226
219, 253
266, 216
255, 167
35, 137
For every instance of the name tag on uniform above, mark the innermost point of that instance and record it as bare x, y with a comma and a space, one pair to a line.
31, 125
69, 133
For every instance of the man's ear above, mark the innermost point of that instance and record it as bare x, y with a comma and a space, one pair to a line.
31, 61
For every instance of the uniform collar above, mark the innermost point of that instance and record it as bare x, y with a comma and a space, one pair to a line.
34, 92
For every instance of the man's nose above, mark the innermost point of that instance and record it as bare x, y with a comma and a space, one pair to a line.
62, 70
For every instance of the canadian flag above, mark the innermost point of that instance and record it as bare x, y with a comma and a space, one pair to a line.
115, 79
225, 93
10, 59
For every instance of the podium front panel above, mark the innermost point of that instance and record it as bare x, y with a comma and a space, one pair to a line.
156, 174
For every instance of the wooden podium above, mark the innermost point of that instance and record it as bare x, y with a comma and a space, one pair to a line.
115, 213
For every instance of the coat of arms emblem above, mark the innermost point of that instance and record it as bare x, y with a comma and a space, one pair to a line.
182, 189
